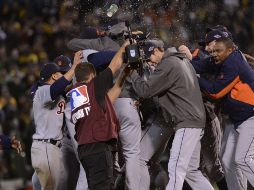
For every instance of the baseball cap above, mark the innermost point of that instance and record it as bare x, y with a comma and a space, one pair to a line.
221, 28
215, 35
150, 45
48, 70
63, 62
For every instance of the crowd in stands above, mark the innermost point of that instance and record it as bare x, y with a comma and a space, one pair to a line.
34, 32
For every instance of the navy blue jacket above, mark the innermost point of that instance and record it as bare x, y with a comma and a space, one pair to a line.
234, 84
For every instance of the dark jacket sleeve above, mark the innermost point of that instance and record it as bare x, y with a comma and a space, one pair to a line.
58, 87
101, 59
203, 65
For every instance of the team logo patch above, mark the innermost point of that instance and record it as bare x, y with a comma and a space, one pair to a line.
151, 48
217, 36
79, 97
133, 53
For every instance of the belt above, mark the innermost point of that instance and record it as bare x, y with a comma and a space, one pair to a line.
51, 141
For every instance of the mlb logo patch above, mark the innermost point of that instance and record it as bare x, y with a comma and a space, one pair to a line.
79, 97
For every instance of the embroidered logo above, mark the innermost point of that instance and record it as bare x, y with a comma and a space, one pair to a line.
133, 53
151, 48
79, 97
217, 36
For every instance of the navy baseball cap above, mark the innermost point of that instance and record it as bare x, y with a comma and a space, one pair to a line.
150, 45
48, 70
215, 35
220, 28
63, 62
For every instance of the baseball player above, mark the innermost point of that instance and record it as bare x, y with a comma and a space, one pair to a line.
48, 110
155, 132
234, 83
74, 171
234, 176
175, 84
211, 141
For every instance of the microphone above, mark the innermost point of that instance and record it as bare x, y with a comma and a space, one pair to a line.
112, 10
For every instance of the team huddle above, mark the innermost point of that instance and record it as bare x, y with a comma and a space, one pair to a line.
96, 116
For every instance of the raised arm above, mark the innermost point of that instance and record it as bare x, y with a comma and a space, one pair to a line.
77, 60
117, 61
58, 87
115, 91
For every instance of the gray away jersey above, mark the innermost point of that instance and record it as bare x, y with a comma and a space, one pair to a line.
48, 123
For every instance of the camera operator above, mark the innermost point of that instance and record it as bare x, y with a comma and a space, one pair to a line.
95, 120
125, 105
175, 84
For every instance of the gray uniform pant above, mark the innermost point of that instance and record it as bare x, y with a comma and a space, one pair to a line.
154, 138
237, 154
185, 159
48, 165
71, 145
73, 172
211, 146
129, 135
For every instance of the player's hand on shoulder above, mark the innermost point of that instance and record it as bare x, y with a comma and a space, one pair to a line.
184, 49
